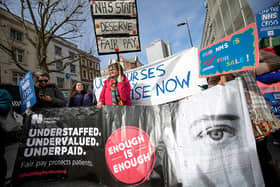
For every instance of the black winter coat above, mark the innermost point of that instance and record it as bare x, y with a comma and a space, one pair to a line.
52, 91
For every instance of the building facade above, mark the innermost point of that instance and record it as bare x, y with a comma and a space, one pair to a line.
12, 38
224, 17
59, 51
89, 68
157, 50
126, 63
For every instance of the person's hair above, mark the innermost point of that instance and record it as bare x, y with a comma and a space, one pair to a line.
44, 74
72, 91
118, 67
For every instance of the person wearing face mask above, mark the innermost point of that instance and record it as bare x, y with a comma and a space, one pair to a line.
79, 96
116, 89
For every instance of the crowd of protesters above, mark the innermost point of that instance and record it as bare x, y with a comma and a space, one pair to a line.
116, 91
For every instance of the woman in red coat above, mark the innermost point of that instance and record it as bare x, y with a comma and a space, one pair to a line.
116, 89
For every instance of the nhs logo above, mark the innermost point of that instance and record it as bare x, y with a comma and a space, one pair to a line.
36, 119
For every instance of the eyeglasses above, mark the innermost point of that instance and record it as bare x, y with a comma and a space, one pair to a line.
44, 81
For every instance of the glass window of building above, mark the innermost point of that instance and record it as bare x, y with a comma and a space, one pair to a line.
15, 35
90, 64
57, 50
16, 77
97, 67
60, 82
84, 62
72, 68
91, 75
18, 54
84, 74
71, 55
59, 64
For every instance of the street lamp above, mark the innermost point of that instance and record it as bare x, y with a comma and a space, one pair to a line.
186, 23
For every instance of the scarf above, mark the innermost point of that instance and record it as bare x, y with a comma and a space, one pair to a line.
116, 100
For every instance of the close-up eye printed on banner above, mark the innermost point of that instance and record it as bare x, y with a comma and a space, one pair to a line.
211, 140
215, 129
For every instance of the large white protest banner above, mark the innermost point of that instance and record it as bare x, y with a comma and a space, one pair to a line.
205, 140
167, 80
213, 143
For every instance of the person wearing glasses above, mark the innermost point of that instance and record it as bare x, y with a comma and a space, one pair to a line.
47, 94
116, 89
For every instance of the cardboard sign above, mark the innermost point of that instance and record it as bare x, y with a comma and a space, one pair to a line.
124, 44
268, 22
168, 80
236, 52
27, 92
116, 26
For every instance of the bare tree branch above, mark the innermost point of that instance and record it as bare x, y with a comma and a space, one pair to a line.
64, 66
67, 32
51, 19
65, 20
11, 53
60, 59
32, 15
70, 37
25, 27
52, 8
79, 20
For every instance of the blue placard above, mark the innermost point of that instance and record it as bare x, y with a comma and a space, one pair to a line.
268, 22
274, 99
27, 92
236, 52
258, 5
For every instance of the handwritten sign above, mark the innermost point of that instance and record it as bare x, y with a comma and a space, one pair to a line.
124, 44
168, 80
113, 7
268, 22
27, 92
116, 26
234, 53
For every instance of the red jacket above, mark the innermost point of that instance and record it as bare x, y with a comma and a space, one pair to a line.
123, 89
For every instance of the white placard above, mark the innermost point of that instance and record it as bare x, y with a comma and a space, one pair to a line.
168, 80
